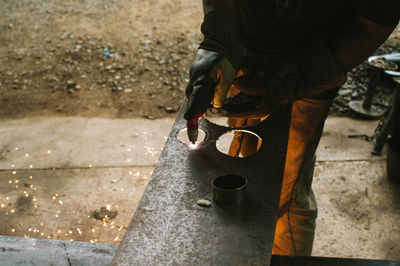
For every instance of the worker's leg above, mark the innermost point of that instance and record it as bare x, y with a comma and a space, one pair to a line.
243, 143
297, 209
295, 227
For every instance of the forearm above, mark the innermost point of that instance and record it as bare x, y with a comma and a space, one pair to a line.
359, 42
219, 29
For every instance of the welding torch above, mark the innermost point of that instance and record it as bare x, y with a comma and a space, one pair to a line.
211, 76
192, 125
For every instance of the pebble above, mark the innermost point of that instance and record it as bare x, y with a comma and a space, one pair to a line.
71, 84
204, 203
169, 109
345, 92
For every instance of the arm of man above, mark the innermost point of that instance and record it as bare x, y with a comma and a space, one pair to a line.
359, 42
320, 67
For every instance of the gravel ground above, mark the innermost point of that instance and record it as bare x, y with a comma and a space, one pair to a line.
112, 58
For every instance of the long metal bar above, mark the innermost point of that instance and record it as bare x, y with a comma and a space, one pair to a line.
169, 228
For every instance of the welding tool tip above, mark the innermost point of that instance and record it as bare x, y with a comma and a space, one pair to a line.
193, 129
193, 135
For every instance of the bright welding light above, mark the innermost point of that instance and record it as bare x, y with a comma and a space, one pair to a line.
193, 146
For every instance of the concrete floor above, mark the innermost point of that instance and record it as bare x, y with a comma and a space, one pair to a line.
57, 173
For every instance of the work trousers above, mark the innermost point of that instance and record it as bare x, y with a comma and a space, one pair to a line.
294, 234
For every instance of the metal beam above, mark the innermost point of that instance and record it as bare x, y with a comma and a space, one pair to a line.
169, 228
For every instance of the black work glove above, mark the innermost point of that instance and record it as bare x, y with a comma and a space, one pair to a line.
211, 75
303, 75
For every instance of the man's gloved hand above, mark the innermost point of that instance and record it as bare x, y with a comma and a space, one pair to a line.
308, 73
211, 75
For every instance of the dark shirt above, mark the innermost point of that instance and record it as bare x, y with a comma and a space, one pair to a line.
263, 32
384, 12
278, 28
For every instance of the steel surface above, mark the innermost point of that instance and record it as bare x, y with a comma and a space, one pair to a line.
169, 228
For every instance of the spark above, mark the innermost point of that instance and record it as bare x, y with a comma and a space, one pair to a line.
13, 230
30, 229
7, 198
137, 174
90, 166
108, 207
48, 151
30, 177
12, 211
14, 172
79, 230
71, 240
2, 205
16, 181
12, 165
91, 241
59, 231
56, 215
93, 230
42, 234
26, 155
10, 181
31, 166
120, 228
54, 197
115, 239
60, 201
70, 231
130, 172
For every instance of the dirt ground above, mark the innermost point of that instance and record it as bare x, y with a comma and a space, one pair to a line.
96, 58
111, 58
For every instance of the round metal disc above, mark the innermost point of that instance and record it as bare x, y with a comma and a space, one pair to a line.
371, 113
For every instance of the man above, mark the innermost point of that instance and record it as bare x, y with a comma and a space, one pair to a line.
279, 52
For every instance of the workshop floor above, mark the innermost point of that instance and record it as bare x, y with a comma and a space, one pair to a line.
81, 179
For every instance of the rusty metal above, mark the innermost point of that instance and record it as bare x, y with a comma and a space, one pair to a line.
169, 228
385, 126
229, 190
365, 108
